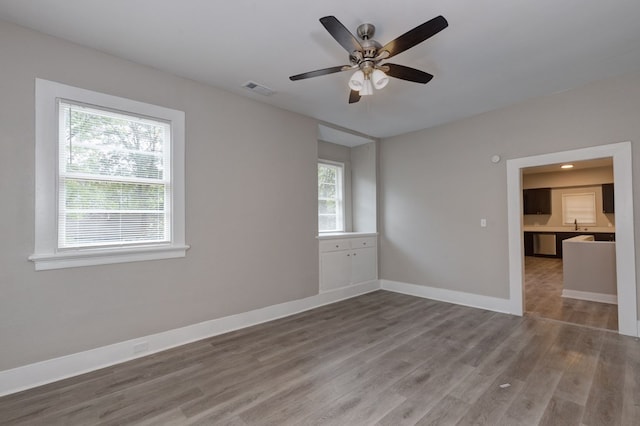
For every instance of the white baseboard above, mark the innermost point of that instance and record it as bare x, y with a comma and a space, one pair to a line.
611, 299
451, 296
40, 373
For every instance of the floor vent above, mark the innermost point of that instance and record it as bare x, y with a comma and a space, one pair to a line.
255, 87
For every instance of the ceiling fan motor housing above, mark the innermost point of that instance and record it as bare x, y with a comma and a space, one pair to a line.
370, 47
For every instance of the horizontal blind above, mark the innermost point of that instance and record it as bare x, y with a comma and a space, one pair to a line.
580, 208
114, 183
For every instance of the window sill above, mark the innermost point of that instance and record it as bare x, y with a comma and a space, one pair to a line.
74, 259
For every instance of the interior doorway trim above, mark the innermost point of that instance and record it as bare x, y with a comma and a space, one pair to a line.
625, 241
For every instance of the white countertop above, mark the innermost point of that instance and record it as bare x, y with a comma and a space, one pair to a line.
333, 235
579, 239
609, 229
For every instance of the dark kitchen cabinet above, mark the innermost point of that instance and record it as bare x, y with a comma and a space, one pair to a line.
604, 236
561, 236
528, 243
607, 198
537, 201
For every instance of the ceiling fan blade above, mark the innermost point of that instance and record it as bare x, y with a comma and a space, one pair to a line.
414, 37
341, 34
354, 96
407, 73
318, 73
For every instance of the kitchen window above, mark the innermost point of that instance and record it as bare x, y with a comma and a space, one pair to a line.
109, 179
330, 197
579, 208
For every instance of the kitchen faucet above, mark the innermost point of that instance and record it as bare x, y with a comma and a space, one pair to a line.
575, 222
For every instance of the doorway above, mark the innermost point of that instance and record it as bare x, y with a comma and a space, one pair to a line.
625, 258
567, 202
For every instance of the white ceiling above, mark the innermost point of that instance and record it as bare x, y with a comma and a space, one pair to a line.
494, 53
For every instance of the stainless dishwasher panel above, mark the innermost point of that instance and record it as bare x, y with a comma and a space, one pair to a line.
544, 244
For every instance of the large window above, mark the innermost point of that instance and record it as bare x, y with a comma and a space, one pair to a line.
113, 178
109, 179
330, 197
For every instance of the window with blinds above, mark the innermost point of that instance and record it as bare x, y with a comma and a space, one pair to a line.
580, 208
330, 197
114, 178
110, 179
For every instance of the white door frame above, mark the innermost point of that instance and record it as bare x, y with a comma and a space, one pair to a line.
625, 241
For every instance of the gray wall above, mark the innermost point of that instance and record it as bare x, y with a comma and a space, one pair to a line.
364, 187
251, 212
579, 177
437, 184
334, 152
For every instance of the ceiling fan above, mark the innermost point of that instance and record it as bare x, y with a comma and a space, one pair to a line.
366, 56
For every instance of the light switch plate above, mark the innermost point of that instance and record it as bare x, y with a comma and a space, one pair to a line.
483, 223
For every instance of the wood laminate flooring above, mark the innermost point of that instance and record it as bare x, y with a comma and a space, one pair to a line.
378, 359
543, 297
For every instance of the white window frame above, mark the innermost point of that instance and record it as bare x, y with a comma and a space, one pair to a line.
46, 253
340, 220
587, 198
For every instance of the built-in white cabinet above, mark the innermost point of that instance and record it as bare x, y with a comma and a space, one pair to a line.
364, 265
347, 261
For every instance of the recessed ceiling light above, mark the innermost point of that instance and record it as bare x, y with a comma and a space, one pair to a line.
567, 166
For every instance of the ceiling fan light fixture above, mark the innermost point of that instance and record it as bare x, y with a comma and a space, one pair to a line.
367, 88
380, 79
356, 82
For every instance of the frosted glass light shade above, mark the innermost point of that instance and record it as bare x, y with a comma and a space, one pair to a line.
356, 82
367, 88
379, 79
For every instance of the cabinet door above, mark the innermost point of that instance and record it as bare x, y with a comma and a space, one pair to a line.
537, 201
528, 243
335, 269
608, 200
364, 264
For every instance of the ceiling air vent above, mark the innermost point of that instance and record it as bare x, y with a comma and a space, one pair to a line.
255, 87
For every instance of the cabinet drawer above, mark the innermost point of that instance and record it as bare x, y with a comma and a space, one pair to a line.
333, 245
363, 242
